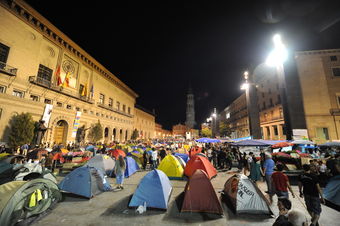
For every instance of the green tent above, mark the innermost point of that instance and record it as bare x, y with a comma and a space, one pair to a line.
24, 200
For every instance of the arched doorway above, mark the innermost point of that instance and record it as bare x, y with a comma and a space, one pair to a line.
126, 135
106, 133
121, 135
114, 135
60, 132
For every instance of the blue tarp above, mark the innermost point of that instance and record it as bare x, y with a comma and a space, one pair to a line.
185, 157
330, 144
250, 143
131, 166
332, 190
154, 189
207, 140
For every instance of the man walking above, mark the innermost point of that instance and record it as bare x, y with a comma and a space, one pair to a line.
281, 183
268, 169
311, 193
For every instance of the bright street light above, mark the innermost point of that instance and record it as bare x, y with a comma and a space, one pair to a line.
214, 115
245, 86
245, 75
279, 54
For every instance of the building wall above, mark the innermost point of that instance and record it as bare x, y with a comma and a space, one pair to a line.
179, 129
145, 124
321, 91
33, 41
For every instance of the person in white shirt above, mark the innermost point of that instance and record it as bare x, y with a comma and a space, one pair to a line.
154, 158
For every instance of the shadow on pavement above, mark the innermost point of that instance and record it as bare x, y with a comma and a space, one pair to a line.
69, 197
174, 215
120, 208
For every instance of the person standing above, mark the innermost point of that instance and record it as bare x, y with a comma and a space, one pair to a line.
281, 183
154, 156
268, 169
119, 170
310, 190
255, 170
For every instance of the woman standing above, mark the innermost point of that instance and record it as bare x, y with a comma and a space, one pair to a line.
255, 170
119, 171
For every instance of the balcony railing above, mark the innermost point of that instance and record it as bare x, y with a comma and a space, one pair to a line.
49, 85
8, 70
334, 111
110, 108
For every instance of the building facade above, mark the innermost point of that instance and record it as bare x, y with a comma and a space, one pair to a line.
144, 123
179, 130
318, 76
161, 133
40, 66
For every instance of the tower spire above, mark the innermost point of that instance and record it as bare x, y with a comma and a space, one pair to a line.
190, 113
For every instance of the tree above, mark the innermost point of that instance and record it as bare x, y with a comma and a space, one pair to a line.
206, 132
225, 129
21, 130
96, 132
134, 135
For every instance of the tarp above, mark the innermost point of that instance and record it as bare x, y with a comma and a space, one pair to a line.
330, 144
250, 143
332, 190
85, 181
243, 196
200, 162
200, 196
207, 140
171, 167
102, 162
26, 200
154, 189
131, 166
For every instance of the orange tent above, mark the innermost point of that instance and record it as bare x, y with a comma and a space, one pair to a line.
117, 152
200, 162
194, 150
194, 201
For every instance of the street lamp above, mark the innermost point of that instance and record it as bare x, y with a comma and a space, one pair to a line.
214, 123
276, 59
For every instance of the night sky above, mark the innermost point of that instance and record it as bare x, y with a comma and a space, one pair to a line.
157, 49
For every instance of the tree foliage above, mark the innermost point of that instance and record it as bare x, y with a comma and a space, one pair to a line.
21, 130
96, 132
134, 135
206, 132
225, 129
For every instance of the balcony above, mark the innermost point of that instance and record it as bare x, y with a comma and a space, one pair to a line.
8, 70
334, 111
110, 108
45, 83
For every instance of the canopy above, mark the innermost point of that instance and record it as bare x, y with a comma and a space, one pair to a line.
302, 142
330, 144
282, 144
250, 143
207, 140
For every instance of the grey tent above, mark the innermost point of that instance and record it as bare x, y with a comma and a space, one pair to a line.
103, 163
34, 170
23, 201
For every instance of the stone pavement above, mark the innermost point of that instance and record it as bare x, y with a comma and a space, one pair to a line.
110, 208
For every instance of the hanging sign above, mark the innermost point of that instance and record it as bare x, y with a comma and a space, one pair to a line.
47, 114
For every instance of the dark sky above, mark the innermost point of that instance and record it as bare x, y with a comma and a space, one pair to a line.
157, 49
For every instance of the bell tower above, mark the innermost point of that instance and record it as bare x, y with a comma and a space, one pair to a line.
190, 114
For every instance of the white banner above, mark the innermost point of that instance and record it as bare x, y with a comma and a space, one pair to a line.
76, 124
300, 134
47, 114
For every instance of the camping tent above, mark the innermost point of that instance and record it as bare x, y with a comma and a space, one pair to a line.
194, 200
117, 152
200, 162
171, 167
243, 196
181, 161
102, 162
131, 166
332, 190
85, 181
25, 200
185, 157
154, 189
34, 170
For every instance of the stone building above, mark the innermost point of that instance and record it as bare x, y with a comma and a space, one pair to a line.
144, 123
41, 68
317, 79
179, 130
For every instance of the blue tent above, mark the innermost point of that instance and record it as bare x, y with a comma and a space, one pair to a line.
154, 189
332, 190
85, 181
185, 157
131, 166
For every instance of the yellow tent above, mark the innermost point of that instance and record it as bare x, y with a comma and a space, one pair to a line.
64, 151
171, 167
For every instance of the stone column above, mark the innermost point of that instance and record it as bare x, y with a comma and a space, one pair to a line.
265, 135
280, 131
271, 131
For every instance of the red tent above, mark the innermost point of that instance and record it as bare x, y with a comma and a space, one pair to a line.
117, 152
194, 150
200, 195
200, 162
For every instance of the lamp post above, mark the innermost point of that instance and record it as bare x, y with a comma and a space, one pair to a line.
253, 111
214, 120
276, 58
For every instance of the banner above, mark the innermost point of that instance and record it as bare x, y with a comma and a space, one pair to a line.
76, 124
300, 134
47, 114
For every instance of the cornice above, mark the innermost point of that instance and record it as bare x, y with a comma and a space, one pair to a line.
30, 16
317, 52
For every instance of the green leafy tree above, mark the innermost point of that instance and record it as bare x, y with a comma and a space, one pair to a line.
96, 132
225, 130
134, 135
206, 132
21, 130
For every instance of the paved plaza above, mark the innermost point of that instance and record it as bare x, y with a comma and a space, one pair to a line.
110, 208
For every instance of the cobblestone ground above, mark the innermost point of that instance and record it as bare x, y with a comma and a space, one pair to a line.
110, 208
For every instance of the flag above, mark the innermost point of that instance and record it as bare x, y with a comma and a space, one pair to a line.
91, 91
66, 82
58, 78
84, 91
